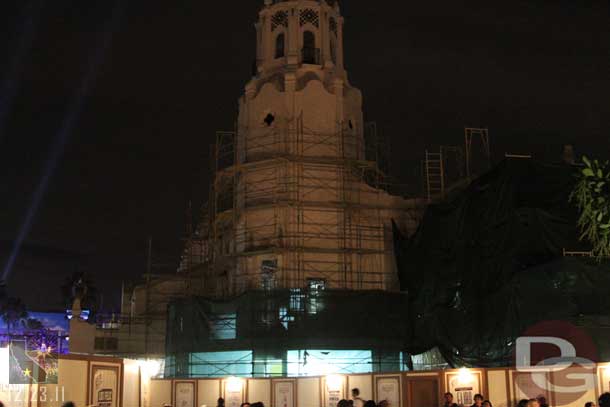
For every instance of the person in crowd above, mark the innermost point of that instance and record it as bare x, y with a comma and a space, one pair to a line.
487, 403
343, 403
533, 403
478, 400
383, 403
542, 401
604, 400
370, 403
449, 400
65, 404
522, 403
220, 402
258, 404
246, 404
350, 403
358, 402
590, 404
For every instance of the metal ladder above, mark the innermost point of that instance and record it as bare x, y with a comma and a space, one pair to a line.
435, 175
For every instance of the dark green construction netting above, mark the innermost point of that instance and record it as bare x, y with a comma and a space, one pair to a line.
488, 262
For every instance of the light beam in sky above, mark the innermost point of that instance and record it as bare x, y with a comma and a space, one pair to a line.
72, 115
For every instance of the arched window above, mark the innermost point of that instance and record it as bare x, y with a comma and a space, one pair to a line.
280, 44
310, 53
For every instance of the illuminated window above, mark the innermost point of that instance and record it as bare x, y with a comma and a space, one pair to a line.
323, 362
315, 304
215, 364
268, 270
296, 299
316, 284
223, 326
285, 317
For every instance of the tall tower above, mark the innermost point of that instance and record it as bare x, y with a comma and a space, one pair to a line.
297, 199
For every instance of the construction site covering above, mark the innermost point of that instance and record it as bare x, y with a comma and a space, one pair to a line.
496, 258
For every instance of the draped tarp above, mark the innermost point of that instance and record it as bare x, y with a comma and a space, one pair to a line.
488, 262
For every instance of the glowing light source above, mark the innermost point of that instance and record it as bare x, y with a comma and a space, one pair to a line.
4, 365
234, 384
334, 382
464, 376
149, 367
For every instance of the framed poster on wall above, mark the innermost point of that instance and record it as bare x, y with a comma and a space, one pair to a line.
104, 390
333, 390
234, 392
284, 393
185, 393
464, 384
524, 386
388, 388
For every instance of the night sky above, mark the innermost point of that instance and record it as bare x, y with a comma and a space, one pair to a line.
108, 108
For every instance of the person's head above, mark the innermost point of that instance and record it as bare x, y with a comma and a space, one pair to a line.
65, 404
522, 403
221, 401
487, 403
590, 404
604, 400
257, 404
350, 403
342, 403
533, 403
448, 398
541, 400
246, 404
383, 403
355, 392
370, 403
478, 399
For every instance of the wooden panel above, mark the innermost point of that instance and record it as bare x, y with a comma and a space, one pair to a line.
423, 392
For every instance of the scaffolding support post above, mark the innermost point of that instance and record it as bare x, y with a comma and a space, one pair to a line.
469, 134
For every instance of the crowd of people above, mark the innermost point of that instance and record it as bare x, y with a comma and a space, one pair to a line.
357, 401
540, 401
479, 401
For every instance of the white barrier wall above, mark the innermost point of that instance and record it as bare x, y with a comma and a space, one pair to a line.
503, 387
110, 382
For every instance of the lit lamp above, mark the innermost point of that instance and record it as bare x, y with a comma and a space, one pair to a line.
234, 385
150, 367
464, 376
334, 382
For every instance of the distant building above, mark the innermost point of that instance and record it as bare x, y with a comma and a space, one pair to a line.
299, 203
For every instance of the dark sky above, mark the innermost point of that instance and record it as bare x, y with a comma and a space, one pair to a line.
536, 72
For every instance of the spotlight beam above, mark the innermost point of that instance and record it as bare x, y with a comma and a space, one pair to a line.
73, 113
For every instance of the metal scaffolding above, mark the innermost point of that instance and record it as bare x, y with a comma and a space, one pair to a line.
289, 205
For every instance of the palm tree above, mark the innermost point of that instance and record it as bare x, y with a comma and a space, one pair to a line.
32, 324
13, 311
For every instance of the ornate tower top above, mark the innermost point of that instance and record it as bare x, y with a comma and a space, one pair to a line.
296, 34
